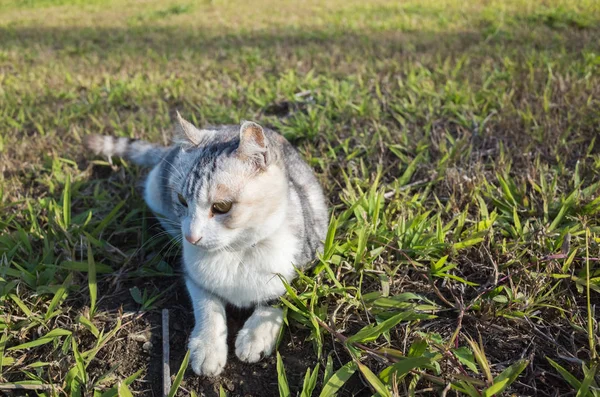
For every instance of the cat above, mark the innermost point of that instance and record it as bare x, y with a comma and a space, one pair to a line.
250, 211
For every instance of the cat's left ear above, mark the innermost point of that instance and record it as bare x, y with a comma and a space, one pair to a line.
186, 134
254, 145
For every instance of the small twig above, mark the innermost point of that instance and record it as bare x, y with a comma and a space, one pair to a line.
486, 290
454, 339
446, 389
437, 291
430, 281
165, 349
422, 273
342, 338
496, 270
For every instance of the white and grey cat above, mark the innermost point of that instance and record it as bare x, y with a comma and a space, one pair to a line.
250, 210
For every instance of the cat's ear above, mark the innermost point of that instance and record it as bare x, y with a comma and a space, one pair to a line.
186, 134
253, 144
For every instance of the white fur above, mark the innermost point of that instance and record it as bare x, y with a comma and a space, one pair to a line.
152, 198
239, 258
121, 146
258, 336
208, 342
108, 146
152, 191
241, 278
244, 277
218, 237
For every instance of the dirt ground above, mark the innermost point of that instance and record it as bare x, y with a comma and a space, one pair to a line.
140, 346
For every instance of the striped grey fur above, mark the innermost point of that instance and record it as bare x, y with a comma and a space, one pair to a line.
140, 152
251, 211
304, 190
195, 165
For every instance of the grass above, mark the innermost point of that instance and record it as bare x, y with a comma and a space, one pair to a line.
457, 144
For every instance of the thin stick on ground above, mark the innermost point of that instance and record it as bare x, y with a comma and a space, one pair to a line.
165, 346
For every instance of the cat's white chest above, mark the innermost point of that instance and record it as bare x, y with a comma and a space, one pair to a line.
244, 278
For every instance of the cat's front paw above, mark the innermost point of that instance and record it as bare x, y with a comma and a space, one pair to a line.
258, 337
208, 353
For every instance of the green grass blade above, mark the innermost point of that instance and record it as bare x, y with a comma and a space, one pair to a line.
372, 332
337, 380
374, 381
328, 372
559, 217
481, 359
584, 388
66, 202
79, 362
89, 325
114, 391
3, 359
467, 243
506, 190
466, 388
22, 306
179, 376
310, 381
330, 238
403, 367
58, 296
410, 170
465, 356
92, 281
124, 390
506, 378
49, 337
107, 219
590, 311
282, 382
571, 380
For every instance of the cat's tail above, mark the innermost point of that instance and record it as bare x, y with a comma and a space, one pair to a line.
139, 152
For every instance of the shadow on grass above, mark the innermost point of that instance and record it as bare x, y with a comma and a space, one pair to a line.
326, 50
367, 46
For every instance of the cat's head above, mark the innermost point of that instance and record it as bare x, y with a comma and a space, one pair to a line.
233, 188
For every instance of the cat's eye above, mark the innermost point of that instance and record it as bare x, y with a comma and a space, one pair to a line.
221, 208
182, 200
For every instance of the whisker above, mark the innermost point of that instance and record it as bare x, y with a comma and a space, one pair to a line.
151, 239
174, 243
146, 218
173, 166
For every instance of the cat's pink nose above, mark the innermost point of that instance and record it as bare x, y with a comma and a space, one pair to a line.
193, 239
